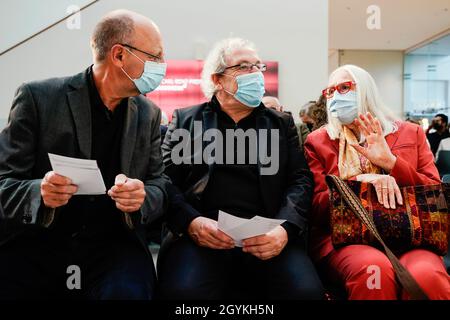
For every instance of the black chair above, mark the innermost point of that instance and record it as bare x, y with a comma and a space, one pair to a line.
443, 162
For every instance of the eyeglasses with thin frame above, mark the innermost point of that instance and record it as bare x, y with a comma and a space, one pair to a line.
152, 56
247, 67
342, 88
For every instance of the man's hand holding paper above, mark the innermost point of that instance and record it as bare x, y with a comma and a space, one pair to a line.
56, 190
262, 237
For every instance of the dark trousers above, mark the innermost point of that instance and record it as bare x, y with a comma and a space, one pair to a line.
35, 267
188, 271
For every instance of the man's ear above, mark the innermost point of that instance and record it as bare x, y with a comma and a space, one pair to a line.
117, 54
215, 79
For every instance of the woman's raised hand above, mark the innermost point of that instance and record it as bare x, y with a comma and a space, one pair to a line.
377, 150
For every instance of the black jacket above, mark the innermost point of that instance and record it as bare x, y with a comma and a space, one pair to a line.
54, 116
286, 194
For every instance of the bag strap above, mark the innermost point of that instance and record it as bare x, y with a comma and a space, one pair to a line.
404, 277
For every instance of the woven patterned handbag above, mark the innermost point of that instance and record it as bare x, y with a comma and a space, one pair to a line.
422, 221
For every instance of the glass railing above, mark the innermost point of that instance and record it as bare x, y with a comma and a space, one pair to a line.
22, 19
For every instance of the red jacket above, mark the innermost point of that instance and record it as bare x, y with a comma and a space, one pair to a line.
414, 166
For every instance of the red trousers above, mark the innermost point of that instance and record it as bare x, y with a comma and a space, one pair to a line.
367, 273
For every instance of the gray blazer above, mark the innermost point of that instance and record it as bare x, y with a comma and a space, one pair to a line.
54, 116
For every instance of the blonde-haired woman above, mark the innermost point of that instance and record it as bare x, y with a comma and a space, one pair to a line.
364, 141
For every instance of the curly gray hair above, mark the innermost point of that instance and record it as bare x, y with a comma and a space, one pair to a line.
215, 62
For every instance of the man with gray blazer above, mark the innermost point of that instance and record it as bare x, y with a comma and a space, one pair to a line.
54, 244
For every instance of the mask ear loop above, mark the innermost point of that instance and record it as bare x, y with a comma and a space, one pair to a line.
126, 74
231, 94
137, 58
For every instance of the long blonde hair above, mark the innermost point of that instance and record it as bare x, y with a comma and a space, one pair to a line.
368, 100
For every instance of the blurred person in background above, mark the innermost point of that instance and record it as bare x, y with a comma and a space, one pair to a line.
439, 125
305, 125
304, 117
272, 103
317, 112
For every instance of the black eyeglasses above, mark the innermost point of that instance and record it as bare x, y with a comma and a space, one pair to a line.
247, 67
158, 59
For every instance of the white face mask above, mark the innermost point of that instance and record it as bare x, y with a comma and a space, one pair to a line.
343, 107
151, 77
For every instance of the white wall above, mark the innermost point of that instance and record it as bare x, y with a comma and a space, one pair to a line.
333, 60
286, 31
386, 67
27, 17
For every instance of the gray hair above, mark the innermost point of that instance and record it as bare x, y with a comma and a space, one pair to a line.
368, 100
114, 28
274, 99
215, 62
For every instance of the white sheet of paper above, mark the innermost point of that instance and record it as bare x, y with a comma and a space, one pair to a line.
239, 228
83, 173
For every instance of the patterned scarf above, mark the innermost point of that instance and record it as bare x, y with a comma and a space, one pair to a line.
351, 163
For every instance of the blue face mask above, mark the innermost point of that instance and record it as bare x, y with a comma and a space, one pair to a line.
151, 76
250, 89
343, 107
